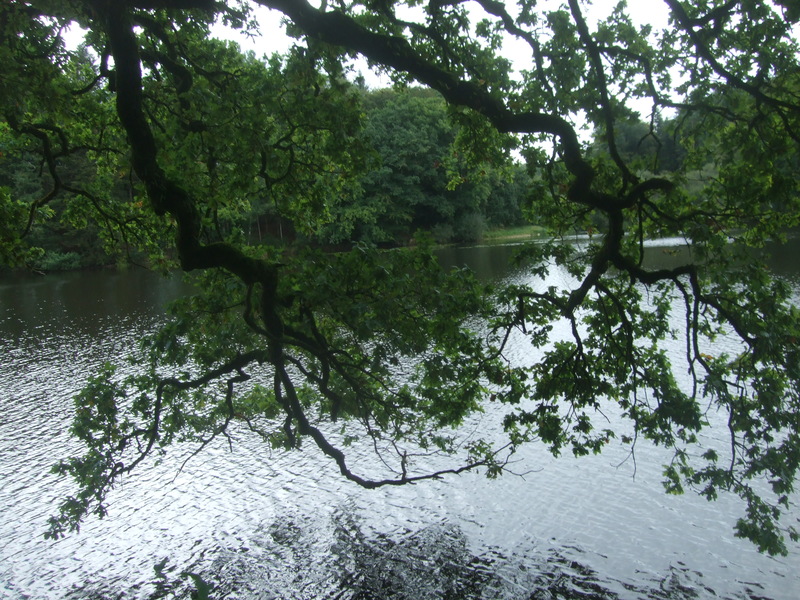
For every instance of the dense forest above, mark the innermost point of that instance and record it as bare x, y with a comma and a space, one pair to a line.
410, 178
413, 176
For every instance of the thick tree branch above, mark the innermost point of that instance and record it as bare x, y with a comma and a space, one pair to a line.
340, 30
164, 194
602, 87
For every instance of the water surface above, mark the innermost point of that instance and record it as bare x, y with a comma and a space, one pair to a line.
264, 524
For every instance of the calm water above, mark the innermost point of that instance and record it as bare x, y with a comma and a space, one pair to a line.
264, 524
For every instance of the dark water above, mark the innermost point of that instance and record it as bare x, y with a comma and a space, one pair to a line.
257, 523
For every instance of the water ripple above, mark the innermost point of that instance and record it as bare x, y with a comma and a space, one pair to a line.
264, 524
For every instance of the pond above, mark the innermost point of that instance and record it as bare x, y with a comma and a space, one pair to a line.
257, 523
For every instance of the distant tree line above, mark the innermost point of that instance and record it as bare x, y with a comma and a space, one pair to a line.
415, 178
421, 181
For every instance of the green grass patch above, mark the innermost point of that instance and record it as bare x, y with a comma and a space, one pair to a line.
525, 232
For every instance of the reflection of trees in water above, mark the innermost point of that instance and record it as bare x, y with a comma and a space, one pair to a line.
339, 559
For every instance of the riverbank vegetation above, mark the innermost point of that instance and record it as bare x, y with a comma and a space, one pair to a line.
412, 182
155, 143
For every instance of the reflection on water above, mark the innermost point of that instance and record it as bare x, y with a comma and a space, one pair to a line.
82, 302
257, 523
489, 262
435, 562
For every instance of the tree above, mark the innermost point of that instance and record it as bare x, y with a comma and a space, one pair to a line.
202, 130
419, 179
649, 147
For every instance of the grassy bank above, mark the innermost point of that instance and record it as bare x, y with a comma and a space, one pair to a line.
526, 232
